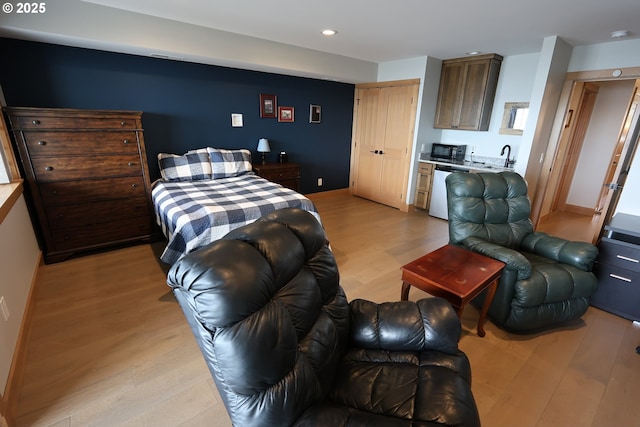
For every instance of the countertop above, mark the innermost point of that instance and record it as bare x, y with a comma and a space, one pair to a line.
467, 165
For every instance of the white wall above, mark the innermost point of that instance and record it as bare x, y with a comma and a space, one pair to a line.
618, 54
599, 142
19, 255
148, 34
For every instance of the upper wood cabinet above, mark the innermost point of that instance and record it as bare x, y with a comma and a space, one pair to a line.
467, 89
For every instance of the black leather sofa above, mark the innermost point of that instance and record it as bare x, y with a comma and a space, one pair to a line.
285, 347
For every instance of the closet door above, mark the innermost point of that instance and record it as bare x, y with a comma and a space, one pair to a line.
383, 133
369, 133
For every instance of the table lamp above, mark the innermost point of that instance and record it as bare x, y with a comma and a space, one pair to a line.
263, 147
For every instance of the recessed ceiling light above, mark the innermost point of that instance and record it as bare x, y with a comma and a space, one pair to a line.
474, 52
619, 34
329, 32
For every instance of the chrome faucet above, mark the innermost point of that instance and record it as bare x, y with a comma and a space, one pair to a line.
506, 161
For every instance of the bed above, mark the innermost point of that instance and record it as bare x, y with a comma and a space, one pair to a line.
203, 195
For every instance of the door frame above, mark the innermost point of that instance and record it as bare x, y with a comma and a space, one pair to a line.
555, 158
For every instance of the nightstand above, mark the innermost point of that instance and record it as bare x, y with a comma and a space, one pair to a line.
618, 268
285, 174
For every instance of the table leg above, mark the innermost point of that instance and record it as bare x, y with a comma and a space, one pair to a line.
404, 293
491, 291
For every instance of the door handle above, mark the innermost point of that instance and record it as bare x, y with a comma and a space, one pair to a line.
613, 186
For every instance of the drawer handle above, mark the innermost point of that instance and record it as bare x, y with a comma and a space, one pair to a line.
123, 124
624, 258
624, 279
134, 185
42, 142
48, 168
131, 164
126, 141
35, 122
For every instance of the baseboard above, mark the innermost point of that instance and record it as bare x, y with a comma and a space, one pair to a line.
9, 399
330, 193
580, 210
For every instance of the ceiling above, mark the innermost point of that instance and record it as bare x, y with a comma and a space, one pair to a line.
383, 31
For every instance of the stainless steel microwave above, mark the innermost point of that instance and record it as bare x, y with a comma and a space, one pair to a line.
448, 151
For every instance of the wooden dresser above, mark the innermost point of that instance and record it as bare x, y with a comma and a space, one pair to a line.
87, 177
285, 174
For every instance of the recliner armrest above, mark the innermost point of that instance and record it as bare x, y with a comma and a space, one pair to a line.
427, 324
513, 259
581, 255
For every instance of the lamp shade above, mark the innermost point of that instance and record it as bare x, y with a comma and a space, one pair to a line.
263, 145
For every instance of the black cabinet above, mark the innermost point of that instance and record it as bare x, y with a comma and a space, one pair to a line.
618, 268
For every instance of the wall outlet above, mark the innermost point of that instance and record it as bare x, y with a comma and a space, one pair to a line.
319, 182
4, 308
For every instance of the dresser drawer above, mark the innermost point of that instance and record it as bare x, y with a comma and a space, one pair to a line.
56, 122
618, 291
619, 254
279, 174
72, 143
97, 212
66, 192
425, 168
108, 233
79, 167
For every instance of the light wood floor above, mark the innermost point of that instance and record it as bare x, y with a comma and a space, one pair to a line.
569, 225
109, 345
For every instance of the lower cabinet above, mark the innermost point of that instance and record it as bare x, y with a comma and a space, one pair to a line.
423, 186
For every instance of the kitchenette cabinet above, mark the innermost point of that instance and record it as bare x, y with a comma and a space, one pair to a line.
467, 89
423, 187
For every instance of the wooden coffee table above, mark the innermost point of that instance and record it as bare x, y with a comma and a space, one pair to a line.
456, 274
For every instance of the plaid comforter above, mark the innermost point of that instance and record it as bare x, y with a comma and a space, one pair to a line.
195, 213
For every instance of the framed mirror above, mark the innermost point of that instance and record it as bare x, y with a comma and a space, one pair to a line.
514, 118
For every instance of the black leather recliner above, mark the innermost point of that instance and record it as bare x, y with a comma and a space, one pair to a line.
546, 279
286, 348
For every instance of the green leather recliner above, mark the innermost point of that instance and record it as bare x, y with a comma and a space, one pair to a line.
546, 279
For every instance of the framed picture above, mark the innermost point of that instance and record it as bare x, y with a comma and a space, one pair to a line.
267, 105
236, 120
285, 114
315, 112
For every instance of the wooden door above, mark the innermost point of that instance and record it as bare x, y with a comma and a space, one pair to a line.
619, 165
399, 115
586, 94
384, 120
370, 132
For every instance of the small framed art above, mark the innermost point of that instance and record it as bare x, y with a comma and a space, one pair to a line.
268, 106
315, 112
236, 120
286, 114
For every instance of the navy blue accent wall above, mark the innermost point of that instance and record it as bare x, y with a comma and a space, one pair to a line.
189, 105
